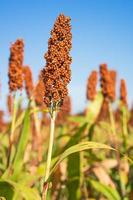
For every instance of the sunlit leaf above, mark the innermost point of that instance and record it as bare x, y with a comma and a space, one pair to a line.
80, 147
14, 191
23, 140
107, 191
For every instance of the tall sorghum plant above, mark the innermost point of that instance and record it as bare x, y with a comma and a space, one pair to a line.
124, 110
15, 74
92, 86
108, 84
56, 76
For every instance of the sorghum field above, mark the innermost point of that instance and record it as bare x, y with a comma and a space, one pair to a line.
47, 153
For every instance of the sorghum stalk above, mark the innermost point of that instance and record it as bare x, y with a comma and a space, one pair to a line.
15, 83
37, 102
11, 138
108, 83
51, 140
131, 116
36, 120
108, 79
49, 156
13, 117
113, 128
124, 126
112, 121
124, 106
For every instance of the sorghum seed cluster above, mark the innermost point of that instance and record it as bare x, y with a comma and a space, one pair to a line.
15, 65
28, 80
92, 85
57, 73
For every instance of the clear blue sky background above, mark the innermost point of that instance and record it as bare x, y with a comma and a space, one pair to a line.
102, 33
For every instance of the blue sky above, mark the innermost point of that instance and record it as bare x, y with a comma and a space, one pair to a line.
102, 33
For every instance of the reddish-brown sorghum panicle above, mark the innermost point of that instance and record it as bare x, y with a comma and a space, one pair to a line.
104, 79
57, 73
113, 85
28, 80
123, 92
2, 123
10, 103
92, 85
15, 65
107, 82
39, 91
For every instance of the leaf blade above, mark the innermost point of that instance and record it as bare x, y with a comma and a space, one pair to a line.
107, 191
80, 147
24, 136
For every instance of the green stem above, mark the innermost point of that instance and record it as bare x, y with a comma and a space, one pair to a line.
82, 176
51, 141
116, 147
37, 130
124, 127
11, 137
35, 114
39, 145
112, 121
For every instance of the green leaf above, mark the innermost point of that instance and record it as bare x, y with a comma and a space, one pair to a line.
73, 169
6, 190
73, 189
107, 191
23, 140
29, 193
80, 147
73, 166
76, 137
20, 119
14, 191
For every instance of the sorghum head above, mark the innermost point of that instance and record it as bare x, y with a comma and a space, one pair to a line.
92, 85
15, 65
57, 73
113, 85
39, 91
10, 103
28, 80
123, 92
106, 83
